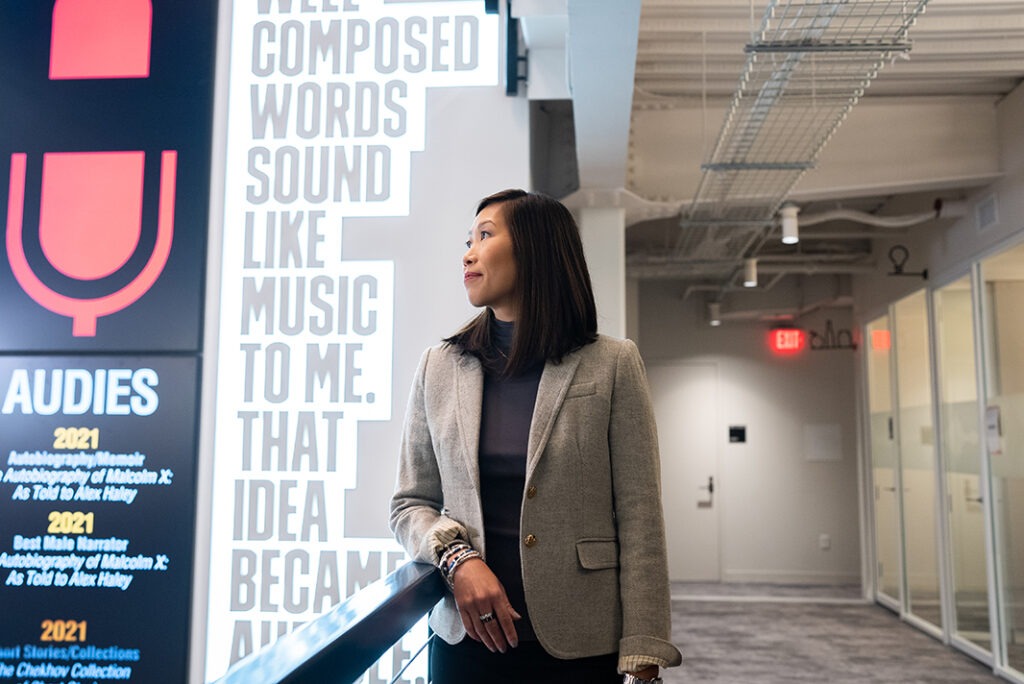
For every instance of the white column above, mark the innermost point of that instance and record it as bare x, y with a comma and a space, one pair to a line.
604, 243
633, 309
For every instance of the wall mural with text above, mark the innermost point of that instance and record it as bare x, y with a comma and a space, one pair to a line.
327, 103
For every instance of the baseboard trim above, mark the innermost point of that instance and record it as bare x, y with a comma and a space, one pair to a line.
789, 577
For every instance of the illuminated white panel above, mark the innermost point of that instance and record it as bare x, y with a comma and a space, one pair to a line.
325, 110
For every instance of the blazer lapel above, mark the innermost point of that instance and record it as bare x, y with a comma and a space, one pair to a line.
469, 392
554, 383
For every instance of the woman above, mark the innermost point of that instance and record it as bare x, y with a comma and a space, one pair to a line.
529, 471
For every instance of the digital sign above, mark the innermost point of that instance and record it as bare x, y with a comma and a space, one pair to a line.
106, 109
97, 484
107, 113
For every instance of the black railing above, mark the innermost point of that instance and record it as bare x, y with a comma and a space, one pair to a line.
339, 646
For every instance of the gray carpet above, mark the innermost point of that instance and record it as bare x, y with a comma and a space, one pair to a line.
744, 634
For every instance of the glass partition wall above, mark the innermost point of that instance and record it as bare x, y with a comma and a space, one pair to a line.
916, 444
945, 434
957, 385
902, 447
1003, 278
884, 464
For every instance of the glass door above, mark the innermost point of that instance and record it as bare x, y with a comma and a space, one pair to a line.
959, 418
884, 463
916, 440
1003, 278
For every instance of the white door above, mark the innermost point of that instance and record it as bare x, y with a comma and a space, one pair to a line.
685, 397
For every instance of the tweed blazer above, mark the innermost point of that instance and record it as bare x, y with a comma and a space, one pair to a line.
593, 540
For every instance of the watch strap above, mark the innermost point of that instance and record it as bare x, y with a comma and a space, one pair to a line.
633, 679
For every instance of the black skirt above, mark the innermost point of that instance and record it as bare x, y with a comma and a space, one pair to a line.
468, 662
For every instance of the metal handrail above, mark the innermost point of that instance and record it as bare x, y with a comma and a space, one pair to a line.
339, 646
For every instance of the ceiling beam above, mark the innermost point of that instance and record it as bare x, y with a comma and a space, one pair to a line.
602, 45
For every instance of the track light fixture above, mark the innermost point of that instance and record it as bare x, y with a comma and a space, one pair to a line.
750, 272
714, 313
790, 227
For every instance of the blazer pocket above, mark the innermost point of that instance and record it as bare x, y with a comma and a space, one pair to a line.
598, 554
581, 389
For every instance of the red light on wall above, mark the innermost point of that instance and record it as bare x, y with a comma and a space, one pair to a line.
787, 340
881, 340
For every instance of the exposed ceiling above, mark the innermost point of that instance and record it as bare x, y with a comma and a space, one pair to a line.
689, 49
924, 128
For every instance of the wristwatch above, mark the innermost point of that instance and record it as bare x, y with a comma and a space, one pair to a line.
633, 679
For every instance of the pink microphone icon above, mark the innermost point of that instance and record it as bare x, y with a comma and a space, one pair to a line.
90, 207
101, 39
90, 222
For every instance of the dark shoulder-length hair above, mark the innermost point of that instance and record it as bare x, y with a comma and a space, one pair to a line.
555, 310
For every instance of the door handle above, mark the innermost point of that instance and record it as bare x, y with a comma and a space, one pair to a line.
970, 496
710, 489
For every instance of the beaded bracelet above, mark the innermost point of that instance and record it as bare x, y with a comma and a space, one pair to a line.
449, 576
449, 551
454, 555
454, 560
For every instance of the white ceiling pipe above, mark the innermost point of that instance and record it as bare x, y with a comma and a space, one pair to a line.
950, 208
849, 234
699, 288
642, 260
818, 269
868, 219
942, 209
683, 272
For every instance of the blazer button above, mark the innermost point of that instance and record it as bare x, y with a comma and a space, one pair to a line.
530, 541
531, 492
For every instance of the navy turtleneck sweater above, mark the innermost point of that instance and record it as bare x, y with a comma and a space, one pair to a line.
504, 434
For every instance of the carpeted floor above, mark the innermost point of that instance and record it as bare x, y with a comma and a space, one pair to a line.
763, 634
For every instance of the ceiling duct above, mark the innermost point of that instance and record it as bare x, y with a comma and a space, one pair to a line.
807, 66
942, 209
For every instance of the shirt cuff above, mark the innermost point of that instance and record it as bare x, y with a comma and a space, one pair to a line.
632, 663
441, 534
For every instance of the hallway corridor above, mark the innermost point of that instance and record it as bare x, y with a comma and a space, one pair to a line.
765, 634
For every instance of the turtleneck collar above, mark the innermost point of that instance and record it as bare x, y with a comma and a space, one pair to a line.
502, 333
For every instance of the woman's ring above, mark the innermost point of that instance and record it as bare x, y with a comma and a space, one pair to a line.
487, 617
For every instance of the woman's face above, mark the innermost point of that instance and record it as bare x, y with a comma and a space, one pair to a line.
489, 265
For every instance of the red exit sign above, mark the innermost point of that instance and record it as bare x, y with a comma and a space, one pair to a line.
787, 340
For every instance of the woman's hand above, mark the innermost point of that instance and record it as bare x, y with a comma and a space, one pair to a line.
479, 593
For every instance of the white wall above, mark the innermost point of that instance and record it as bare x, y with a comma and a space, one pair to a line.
604, 245
947, 253
774, 503
464, 162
